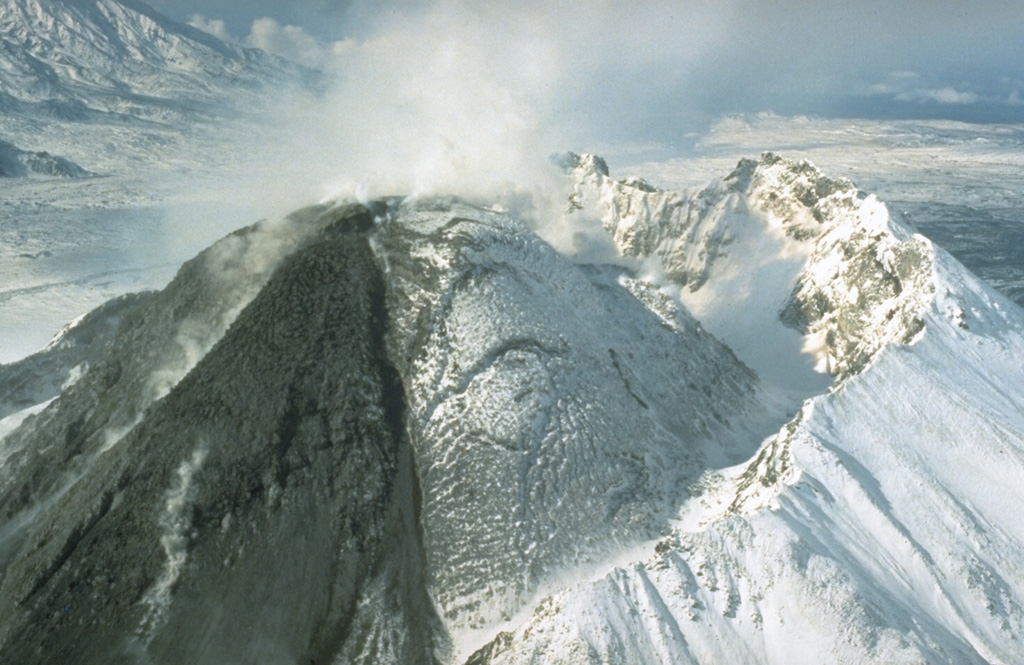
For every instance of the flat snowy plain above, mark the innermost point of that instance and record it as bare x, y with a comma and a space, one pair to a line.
68, 245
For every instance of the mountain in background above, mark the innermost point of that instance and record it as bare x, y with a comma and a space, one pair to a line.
164, 113
412, 431
18, 163
79, 59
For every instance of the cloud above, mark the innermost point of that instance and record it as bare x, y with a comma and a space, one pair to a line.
946, 95
912, 88
215, 27
458, 96
289, 41
471, 98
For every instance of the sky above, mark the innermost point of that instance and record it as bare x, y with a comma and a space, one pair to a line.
449, 87
872, 58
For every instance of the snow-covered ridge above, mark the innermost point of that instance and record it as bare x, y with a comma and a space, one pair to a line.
688, 231
874, 527
73, 58
44, 375
866, 284
833, 263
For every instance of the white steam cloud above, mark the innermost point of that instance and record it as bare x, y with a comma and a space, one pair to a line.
452, 96
289, 41
215, 27
471, 99
946, 95
175, 523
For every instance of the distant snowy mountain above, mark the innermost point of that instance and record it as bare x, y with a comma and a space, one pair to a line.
18, 163
74, 59
412, 431
165, 113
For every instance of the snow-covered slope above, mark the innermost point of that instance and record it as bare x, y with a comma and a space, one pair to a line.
412, 431
879, 526
42, 376
72, 59
557, 413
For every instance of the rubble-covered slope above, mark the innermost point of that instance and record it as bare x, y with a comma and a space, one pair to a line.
556, 418
157, 343
264, 510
